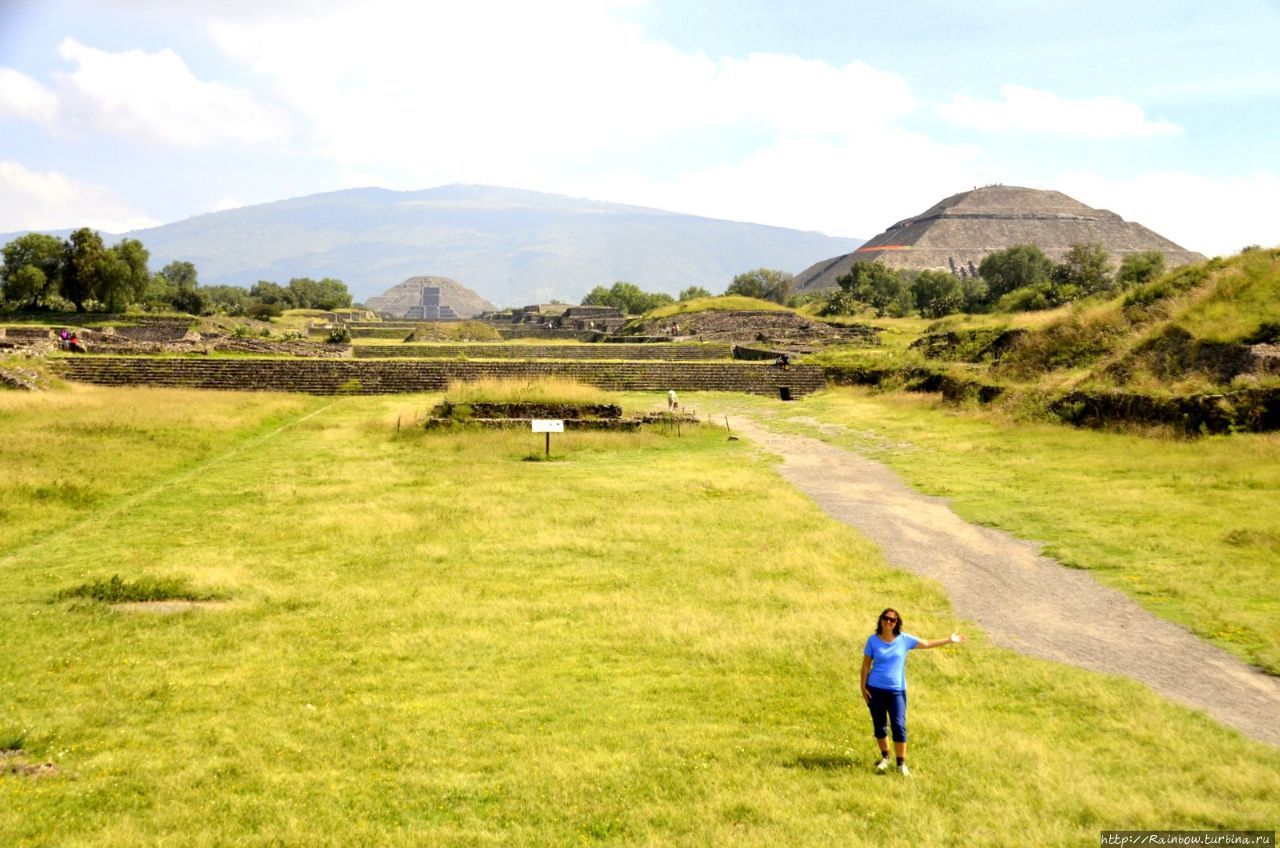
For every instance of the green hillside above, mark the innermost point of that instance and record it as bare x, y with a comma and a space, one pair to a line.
1191, 330
1209, 327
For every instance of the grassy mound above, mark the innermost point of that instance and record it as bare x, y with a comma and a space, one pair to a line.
723, 303
546, 391
1187, 331
1193, 331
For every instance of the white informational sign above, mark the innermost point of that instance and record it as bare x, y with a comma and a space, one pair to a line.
547, 425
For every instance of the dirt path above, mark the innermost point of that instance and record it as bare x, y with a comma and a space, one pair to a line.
1025, 601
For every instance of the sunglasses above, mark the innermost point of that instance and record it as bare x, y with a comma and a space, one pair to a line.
889, 619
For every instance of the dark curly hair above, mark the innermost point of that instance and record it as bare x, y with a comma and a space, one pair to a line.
897, 627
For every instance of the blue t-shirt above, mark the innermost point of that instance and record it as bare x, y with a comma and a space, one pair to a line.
889, 661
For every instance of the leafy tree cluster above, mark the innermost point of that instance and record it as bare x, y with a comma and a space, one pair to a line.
43, 272
764, 284
628, 297
176, 287
1019, 278
1022, 278
899, 293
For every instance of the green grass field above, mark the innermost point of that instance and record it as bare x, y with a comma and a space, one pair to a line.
1188, 527
427, 641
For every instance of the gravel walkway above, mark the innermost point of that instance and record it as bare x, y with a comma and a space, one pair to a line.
1025, 601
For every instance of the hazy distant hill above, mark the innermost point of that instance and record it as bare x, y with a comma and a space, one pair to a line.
512, 247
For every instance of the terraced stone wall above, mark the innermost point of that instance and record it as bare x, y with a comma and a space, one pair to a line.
667, 352
325, 377
523, 332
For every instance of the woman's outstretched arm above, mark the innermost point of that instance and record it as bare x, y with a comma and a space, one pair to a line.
953, 639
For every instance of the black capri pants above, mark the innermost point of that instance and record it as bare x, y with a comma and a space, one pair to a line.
888, 706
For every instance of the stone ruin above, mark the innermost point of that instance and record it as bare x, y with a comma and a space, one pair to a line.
431, 308
560, 316
508, 416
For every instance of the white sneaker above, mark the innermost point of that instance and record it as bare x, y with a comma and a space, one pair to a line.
904, 771
883, 765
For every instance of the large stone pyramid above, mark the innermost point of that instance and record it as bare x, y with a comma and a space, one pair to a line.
957, 233
429, 299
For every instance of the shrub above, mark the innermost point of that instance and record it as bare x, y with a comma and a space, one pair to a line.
340, 334
116, 590
1139, 268
1018, 267
937, 293
1082, 272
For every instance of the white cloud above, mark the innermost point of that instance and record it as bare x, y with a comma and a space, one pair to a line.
25, 98
1214, 216
1034, 111
225, 203
512, 92
850, 187
154, 96
48, 200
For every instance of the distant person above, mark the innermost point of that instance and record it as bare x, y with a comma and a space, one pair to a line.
884, 683
672, 403
782, 361
73, 344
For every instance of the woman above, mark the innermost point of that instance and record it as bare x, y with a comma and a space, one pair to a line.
884, 683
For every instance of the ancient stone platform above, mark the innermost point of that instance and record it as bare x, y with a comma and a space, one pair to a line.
372, 376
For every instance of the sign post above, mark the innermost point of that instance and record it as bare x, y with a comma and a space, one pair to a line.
548, 426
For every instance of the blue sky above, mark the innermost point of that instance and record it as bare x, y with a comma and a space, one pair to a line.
841, 117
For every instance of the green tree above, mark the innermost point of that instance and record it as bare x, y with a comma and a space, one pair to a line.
975, 294
32, 270
629, 298
272, 294
693, 293
764, 284
177, 286
181, 274
27, 284
903, 302
306, 293
626, 296
1138, 268
875, 285
122, 275
599, 296
1083, 271
190, 300
229, 300
1017, 267
840, 302
82, 266
937, 293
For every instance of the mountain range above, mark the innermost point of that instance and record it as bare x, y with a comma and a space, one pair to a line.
511, 246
